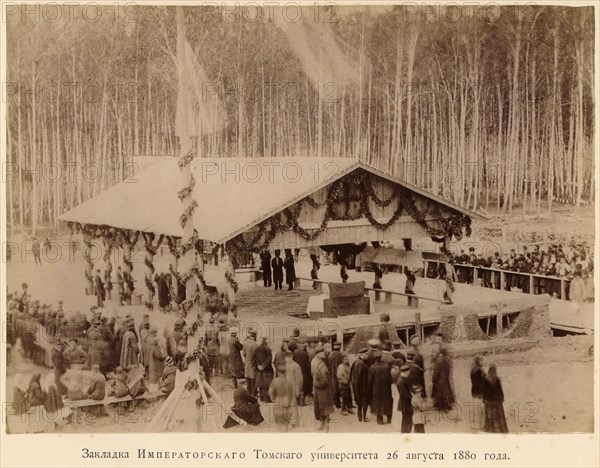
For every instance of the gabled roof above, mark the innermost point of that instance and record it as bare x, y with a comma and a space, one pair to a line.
233, 194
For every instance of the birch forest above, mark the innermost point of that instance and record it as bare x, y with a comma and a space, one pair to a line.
490, 108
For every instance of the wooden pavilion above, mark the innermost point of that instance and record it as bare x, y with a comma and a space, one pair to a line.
254, 205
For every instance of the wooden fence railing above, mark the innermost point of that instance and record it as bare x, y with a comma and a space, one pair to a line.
504, 279
388, 294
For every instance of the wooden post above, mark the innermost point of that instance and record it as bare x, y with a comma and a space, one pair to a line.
502, 280
418, 327
388, 298
499, 319
475, 275
531, 284
562, 288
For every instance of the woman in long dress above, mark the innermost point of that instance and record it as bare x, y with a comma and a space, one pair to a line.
493, 399
441, 390
477, 389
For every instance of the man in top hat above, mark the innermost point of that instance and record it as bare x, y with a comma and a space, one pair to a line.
334, 360
277, 266
99, 286
405, 399
323, 403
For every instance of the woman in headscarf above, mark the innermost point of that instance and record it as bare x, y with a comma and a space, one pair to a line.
166, 383
35, 396
441, 391
129, 348
246, 407
119, 385
477, 386
97, 389
493, 399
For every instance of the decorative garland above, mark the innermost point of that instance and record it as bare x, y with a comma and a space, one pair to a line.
173, 248
193, 243
187, 213
340, 192
186, 160
231, 281
187, 191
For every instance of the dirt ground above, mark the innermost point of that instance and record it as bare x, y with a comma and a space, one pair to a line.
548, 388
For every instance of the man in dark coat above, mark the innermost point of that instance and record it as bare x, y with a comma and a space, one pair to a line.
164, 296
99, 289
290, 270
236, 364
61, 364
335, 359
359, 378
265, 266
300, 356
441, 388
120, 285
277, 266
380, 389
263, 365
249, 371
323, 404
405, 399
417, 373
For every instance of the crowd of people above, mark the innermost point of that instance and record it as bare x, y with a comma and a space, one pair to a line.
314, 371
573, 264
94, 357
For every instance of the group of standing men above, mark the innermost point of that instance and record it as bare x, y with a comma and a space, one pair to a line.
272, 269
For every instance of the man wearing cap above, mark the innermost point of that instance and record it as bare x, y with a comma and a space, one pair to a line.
343, 379
405, 399
334, 360
300, 356
249, 371
263, 365
419, 361
374, 345
323, 404
359, 378
380, 389
386, 353
281, 393
61, 364
293, 374
236, 364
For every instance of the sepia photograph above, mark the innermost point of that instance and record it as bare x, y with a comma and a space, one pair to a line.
292, 218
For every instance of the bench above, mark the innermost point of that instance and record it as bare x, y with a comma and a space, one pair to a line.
78, 405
